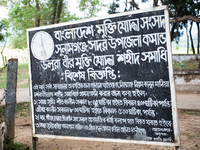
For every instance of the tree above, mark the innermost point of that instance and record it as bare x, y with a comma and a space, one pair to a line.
181, 13
3, 37
90, 7
113, 7
25, 14
2, 27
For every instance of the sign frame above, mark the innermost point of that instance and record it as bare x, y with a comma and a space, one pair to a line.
171, 79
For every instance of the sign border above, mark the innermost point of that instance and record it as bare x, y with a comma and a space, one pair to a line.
171, 79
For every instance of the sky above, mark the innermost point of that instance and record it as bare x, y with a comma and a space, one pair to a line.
73, 6
3, 12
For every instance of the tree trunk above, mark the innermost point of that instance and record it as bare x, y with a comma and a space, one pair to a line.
172, 31
135, 5
191, 39
54, 11
155, 3
60, 5
4, 63
198, 37
38, 16
187, 40
125, 9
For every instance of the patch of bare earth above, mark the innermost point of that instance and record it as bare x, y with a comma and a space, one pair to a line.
189, 131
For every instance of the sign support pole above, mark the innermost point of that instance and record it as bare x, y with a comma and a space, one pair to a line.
11, 87
35, 143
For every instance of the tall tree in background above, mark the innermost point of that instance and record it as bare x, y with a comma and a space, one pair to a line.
90, 7
55, 14
181, 12
25, 14
2, 27
3, 38
113, 7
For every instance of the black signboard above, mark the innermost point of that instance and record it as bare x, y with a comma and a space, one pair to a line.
104, 78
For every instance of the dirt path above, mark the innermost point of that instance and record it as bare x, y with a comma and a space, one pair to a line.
189, 131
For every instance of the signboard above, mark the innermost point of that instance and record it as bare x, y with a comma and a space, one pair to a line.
106, 79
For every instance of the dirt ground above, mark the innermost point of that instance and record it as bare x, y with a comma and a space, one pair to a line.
189, 130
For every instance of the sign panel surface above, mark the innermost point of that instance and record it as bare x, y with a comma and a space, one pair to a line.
103, 78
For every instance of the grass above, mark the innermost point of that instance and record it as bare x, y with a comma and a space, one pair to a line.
191, 112
14, 145
189, 135
26, 85
22, 76
22, 108
3, 77
186, 65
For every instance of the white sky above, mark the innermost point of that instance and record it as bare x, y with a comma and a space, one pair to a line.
3, 12
74, 6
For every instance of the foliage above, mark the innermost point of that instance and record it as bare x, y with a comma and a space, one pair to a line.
191, 112
129, 6
181, 8
25, 14
113, 7
14, 145
22, 108
181, 12
90, 7
2, 27
186, 65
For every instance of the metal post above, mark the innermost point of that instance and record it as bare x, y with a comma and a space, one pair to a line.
35, 143
11, 87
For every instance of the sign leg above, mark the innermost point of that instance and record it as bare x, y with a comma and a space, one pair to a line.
177, 148
35, 143
11, 87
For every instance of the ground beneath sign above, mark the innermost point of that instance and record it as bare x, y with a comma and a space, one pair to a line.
188, 123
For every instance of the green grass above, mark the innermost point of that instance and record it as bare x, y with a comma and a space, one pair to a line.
189, 135
14, 145
22, 75
22, 108
186, 65
3, 77
26, 85
191, 112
